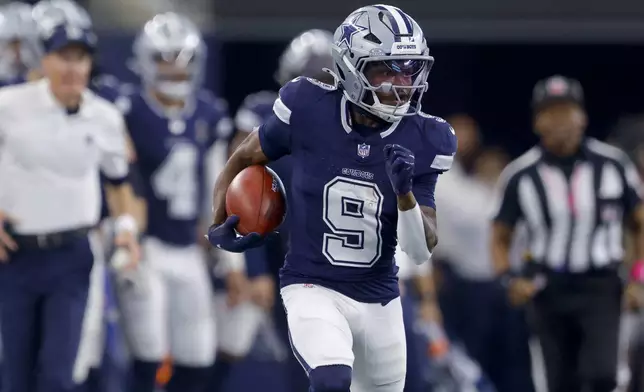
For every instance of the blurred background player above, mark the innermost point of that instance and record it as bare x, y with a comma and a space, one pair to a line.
173, 126
306, 55
19, 43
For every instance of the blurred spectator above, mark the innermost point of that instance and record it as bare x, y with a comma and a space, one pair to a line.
469, 140
489, 165
473, 302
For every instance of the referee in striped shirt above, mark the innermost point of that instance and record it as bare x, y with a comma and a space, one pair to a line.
578, 197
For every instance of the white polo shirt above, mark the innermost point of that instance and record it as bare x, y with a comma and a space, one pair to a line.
463, 215
50, 160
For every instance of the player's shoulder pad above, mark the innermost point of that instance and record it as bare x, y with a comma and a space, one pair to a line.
298, 94
219, 105
258, 99
442, 138
107, 80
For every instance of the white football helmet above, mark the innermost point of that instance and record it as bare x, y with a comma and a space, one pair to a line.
382, 61
170, 55
19, 45
307, 55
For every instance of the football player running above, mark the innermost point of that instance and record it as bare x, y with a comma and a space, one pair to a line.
167, 306
237, 326
365, 166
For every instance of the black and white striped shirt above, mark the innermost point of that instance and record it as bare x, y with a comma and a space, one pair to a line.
574, 208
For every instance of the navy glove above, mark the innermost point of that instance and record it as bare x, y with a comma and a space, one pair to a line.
399, 163
225, 237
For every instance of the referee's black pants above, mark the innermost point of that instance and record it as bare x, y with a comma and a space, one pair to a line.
576, 318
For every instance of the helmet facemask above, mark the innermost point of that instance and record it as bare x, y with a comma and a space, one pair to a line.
175, 75
170, 56
393, 86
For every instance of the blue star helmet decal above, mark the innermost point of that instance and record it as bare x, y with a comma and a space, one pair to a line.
350, 28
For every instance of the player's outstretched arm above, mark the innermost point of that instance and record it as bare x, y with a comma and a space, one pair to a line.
247, 154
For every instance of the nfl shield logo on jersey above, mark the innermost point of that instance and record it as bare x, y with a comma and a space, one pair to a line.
363, 150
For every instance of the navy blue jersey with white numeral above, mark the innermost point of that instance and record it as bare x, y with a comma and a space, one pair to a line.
170, 154
343, 211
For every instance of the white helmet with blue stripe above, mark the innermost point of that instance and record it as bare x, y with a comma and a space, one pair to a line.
49, 13
307, 55
382, 61
18, 41
170, 56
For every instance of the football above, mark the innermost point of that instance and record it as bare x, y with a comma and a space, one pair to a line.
256, 196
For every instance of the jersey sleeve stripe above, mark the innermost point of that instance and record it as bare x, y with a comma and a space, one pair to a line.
281, 111
442, 162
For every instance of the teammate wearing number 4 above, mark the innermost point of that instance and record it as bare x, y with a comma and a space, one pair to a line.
168, 309
366, 162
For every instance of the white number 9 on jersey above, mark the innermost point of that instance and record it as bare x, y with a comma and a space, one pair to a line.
175, 181
352, 210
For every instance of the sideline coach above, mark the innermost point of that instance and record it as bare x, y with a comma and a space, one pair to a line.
55, 137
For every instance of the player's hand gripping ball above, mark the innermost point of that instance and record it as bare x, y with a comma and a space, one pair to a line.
255, 205
399, 162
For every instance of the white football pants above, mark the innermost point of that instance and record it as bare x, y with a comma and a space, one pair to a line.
169, 309
328, 328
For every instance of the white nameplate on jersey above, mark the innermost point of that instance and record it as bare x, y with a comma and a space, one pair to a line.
442, 162
364, 150
405, 48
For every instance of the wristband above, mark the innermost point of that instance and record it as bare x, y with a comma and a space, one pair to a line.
637, 271
125, 222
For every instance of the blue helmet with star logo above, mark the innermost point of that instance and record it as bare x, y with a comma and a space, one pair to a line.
381, 61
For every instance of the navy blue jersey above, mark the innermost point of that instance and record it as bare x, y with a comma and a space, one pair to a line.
343, 211
107, 87
170, 150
